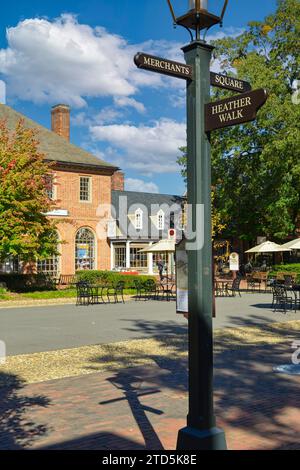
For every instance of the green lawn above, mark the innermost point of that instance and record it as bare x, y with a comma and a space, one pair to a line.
47, 295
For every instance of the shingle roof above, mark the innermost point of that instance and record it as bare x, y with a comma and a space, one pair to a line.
148, 200
54, 147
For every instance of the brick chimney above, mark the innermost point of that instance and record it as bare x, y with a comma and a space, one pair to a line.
117, 181
60, 120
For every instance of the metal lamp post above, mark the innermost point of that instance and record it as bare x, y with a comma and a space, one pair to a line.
201, 432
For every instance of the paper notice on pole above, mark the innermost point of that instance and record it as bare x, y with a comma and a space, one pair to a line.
2, 352
182, 301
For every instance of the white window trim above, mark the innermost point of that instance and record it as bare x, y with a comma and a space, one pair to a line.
90, 189
96, 246
161, 214
138, 226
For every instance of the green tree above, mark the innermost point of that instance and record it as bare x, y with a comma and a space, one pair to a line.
24, 229
256, 166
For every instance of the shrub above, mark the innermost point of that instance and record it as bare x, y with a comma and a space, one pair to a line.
111, 278
287, 268
27, 282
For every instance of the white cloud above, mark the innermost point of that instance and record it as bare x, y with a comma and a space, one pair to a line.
2, 92
148, 149
130, 102
107, 115
63, 60
133, 184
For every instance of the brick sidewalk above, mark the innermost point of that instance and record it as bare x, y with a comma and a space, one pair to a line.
144, 407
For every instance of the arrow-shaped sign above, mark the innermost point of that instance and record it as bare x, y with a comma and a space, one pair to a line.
164, 66
229, 83
235, 110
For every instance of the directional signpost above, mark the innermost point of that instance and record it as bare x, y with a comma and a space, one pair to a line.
236, 110
229, 83
164, 66
201, 432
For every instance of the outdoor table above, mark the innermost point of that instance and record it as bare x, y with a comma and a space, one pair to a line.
97, 291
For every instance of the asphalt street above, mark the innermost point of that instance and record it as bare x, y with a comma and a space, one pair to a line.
40, 329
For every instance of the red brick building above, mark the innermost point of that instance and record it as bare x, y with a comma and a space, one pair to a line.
82, 183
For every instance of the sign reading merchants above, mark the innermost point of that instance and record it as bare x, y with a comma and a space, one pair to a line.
236, 110
164, 66
229, 83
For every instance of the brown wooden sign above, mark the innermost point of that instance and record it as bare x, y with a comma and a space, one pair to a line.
229, 83
164, 66
236, 110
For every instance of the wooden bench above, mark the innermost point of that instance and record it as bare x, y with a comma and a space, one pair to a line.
66, 280
281, 276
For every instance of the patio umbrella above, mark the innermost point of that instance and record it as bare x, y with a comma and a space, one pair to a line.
268, 247
163, 246
293, 245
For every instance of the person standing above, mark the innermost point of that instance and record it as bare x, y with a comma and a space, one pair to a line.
161, 267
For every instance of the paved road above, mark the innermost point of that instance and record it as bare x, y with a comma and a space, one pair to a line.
38, 329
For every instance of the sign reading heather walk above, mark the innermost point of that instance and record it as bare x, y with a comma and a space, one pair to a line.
229, 83
236, 110
164, 66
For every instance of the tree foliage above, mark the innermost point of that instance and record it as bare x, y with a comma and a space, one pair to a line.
24, 229
256, 166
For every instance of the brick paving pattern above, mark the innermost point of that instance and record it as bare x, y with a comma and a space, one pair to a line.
143, 408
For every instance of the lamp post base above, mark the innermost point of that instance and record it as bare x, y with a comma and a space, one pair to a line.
209, 439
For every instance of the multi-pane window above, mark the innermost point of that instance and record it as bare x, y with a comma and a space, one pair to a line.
49, 266
120, 257
172, 220
138, 259
85, 189
161, 220
50, 189
85, 250
139, 219
10, 265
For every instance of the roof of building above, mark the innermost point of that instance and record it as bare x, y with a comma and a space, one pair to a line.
149, 203
55, 148
148, 200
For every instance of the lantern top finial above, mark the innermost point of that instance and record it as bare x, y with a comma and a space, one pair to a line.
198, 17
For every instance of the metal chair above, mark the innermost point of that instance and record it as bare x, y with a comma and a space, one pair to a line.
116, 291
84, 294
150, 289
281, 299
235, 287
140, 289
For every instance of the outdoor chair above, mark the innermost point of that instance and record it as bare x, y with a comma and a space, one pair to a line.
253, 284
235, 287
150, 289
167, 289
116, 292
283, 299
289, 280
140, 289
84, 294
221, 288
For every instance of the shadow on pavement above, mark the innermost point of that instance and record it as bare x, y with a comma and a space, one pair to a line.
16, 430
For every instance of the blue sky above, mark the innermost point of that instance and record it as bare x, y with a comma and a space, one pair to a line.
80, 52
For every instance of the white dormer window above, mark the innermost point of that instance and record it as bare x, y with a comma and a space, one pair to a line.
161, 220
139, 219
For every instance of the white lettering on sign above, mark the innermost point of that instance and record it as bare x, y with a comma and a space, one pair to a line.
228, 81
231, 110
165, 65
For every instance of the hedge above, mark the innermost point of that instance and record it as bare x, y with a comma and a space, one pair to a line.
27, 282
286, 268
111, 278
